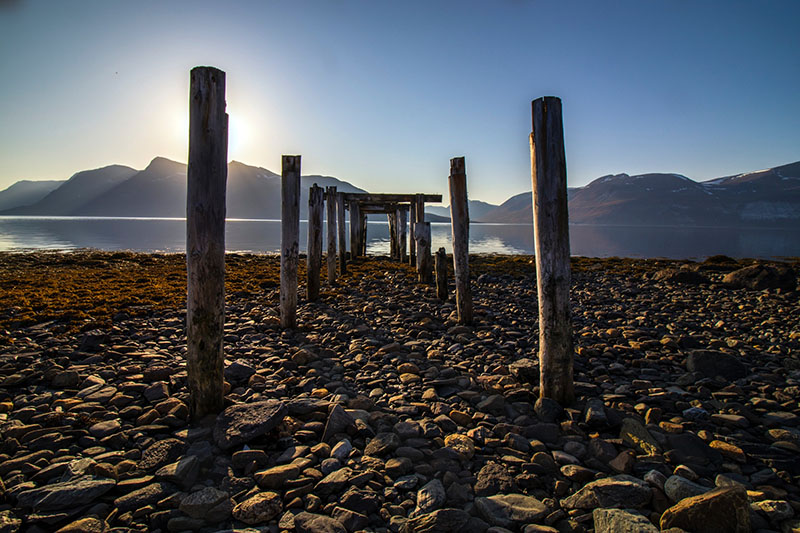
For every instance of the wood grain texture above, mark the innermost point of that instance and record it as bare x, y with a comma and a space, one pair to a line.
330, 259
342, 230
440, 266
207, 176
316, 199
402, 228
551, 230
290, 236
422, 233
459, 222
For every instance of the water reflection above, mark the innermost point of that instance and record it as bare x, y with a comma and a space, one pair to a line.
260, 236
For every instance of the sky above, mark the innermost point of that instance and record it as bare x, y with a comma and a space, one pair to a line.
383, 93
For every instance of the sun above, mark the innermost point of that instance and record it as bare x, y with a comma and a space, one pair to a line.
238, 135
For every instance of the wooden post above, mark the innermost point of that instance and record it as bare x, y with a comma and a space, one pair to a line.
422, 233
440, 263
393, 246
207, 175
412, 244
290, 234
355, 229
314, 255
342, 229
362, 234
401, 223
330, 196
459, 222
551, 231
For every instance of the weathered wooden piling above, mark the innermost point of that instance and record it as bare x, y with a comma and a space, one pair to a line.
402, 222
355, 229
207, 175
551, 229
412, 242
362, 234
342, 229
393, 246
440, 266
330, 198
459, 222
422, 233
314, 255
290, 233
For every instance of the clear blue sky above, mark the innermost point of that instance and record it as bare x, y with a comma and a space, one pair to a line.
384, 93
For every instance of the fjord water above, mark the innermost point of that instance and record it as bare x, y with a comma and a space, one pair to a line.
263, 236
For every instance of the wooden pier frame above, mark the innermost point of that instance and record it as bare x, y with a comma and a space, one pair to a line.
207, 176
330, 258
316, 198
551, 229
290, 234
459, 221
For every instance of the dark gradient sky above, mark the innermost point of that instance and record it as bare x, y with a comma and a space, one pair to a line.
383, 93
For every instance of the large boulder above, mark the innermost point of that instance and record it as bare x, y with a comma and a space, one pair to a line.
723, 510
711, 363
244, 422
759, 277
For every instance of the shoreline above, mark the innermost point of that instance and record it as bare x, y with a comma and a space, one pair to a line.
396, 418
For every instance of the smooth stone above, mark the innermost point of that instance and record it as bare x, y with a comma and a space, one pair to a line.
677, 488
724, 510
244, 422
505, 510
620, 491
381, 444
147, 495
711, 363
276, 477
334, 481
339, 421
66, 494
430, 497
439, 521
621, 521
82, 525
316, 523
259, 508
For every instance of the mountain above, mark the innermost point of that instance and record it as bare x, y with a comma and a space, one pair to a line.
160, 191
27, 192
80, 189
768, 197
477, 209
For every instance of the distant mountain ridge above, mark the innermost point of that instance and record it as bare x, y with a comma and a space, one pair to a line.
27, 192
160, 191
769, 197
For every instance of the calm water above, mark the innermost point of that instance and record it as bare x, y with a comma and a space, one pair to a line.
168, 235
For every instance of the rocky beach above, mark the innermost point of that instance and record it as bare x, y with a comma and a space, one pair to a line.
381, 413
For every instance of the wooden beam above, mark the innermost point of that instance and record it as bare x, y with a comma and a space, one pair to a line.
459, 222
314, 255
551, 229
207, 175
390, 197
290, 234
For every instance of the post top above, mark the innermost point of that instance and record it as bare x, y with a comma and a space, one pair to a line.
212, 70
546, 105
457, 165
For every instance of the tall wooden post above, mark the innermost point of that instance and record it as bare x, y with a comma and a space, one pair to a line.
290, 234
412, 244
330, 197
342, 228
355, 229
393, 246
422, 233
551, 229
362, 235
402, 215
205, 240
314, 256
459, 221
440, 266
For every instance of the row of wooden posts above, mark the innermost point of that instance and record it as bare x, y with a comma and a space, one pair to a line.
205, 241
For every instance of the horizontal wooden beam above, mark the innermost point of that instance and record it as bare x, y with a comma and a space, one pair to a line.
388, 198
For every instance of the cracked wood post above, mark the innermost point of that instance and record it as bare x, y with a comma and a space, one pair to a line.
342, 229
362, 234
290, 235
422, 232
393, 246
419, 216
355, 229
403, 239
314, 255
440, 266
412, 243
207, 175
330, 198
551, 230
459, 221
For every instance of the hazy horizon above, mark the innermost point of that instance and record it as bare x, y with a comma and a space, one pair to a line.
383, 95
